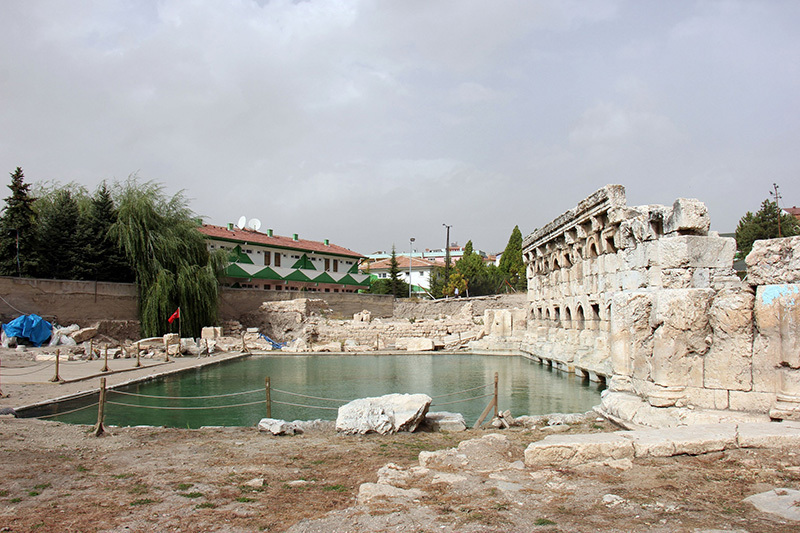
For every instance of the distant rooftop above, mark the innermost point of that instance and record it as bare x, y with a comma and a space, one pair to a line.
255, 237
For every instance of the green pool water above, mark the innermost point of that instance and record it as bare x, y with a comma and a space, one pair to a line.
525, 387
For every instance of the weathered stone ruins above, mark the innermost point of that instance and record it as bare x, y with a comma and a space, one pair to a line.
646, 298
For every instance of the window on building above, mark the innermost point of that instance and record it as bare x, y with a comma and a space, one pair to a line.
327, 264
267, 258
277, 259
336, 265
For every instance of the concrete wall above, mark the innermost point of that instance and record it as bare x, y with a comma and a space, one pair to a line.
67, 302
81, 302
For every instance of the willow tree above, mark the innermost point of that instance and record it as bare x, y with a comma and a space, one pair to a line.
168, 256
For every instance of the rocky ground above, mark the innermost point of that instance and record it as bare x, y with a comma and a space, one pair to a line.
60, 478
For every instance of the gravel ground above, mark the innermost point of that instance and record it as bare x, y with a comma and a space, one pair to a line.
60, 478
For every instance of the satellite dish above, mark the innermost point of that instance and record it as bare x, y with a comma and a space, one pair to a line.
242, 222
254, 224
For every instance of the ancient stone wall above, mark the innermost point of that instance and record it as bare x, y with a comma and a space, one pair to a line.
646, 297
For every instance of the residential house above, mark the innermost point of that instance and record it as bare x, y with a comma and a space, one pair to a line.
272, 262
420, 273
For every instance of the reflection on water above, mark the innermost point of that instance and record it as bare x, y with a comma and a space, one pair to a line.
525, 387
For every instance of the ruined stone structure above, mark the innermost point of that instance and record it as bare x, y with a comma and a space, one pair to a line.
646, 297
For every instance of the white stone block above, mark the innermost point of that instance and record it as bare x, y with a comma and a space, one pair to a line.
578, 449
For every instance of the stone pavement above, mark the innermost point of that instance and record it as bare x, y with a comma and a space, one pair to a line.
29, 383
686, 440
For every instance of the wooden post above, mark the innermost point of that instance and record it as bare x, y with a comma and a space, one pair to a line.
269, 398
492, 403
138, 362
57, 378
496, 409
166, 349
105, 365
101, 409
91, 349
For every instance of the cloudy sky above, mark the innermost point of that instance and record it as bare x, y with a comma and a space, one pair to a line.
369, 122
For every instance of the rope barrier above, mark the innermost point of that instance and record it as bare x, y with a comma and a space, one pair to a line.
461, 392
309, 406
12, 307
37, 369
462, 400
69, 412
185, 408
310, 397
185, 397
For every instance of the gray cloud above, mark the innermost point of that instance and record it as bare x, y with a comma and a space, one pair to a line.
368, 123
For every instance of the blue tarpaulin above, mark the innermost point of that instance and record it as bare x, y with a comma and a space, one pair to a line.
32, 327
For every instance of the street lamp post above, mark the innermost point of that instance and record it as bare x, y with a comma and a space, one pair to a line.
410, 253
447, 255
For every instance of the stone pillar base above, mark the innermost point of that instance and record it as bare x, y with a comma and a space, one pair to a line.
667, 397
619, 383
787, 407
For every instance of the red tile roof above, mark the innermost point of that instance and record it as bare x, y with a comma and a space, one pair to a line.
254, 237
794, 211
402, 263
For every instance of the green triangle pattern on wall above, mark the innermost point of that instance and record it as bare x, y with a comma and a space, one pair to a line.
297, 275
325, 278
304, 262
238, 256
267, 273
235, 271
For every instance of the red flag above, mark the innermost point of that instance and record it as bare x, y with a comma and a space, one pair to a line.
176, 314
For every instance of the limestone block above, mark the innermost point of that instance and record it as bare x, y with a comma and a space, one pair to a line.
396, 475
686, 251
211, 333
385, 414
768, 435
630, 335
681, 337
84, 334
578, 449
728, 363
369, 493
487, 453
754, 402
774, 261
276, 427
707, 398
445, 421
777, 342
689, 215
684, 440
634, 279
415, 344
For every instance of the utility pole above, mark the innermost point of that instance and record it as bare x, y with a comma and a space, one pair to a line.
777, 197
410, 253
447, 255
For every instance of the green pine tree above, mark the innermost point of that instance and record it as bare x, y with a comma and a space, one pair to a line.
397, 287
103, 260
511, 264
59, 245
764, 225
18, 230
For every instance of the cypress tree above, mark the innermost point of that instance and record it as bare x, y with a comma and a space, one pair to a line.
18, 230
511, 264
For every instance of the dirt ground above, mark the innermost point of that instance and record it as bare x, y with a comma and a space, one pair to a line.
59, 478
